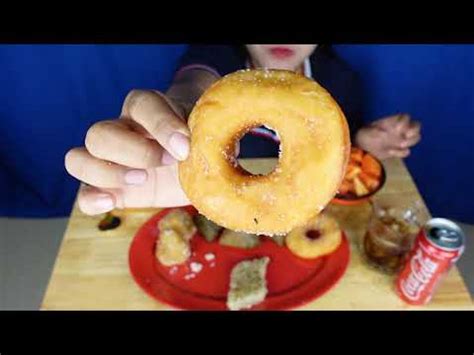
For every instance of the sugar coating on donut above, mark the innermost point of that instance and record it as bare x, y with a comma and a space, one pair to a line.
314, 151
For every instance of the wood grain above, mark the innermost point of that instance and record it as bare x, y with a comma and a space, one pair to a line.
91, 270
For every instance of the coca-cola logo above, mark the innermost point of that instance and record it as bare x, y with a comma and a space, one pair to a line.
422, 271
423, 268
411, 287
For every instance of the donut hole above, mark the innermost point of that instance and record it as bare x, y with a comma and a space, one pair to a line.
313, 234
257, 142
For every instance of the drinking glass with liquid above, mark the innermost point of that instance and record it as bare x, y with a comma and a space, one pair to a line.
391, 232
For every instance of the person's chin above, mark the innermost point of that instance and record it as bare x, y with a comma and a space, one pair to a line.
281, 65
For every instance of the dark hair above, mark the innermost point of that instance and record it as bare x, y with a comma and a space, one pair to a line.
241, 52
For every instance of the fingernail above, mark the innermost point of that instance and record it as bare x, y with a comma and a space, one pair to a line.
135, 177
104, 201
180, 145
167, 159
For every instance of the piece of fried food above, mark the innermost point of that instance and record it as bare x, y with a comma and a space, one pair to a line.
206, 227
239, 239
363, 174
180, 221
371, 166
279, 239
172, 248
360, 188
248, 284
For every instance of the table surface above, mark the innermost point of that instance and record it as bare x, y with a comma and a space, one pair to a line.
91, 270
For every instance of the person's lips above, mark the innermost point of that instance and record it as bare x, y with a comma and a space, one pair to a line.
281, 52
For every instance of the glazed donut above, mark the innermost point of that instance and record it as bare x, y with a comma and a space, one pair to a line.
314, 150
320, 237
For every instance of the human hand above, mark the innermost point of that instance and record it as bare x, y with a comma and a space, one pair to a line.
391, 136
132, 161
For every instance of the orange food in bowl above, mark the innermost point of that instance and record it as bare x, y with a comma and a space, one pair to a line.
371, 166
364, 176
368, 180
346, 187
356, 155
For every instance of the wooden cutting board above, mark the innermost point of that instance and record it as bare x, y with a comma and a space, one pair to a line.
91, 270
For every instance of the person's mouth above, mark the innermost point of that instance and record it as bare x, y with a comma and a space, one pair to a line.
281, 52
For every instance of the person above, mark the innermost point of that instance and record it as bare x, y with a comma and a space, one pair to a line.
132, 161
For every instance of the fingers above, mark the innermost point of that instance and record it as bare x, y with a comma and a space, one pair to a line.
399, 153
410, 142
381, 143
402, 123
91, 170
154, 113
93, 201
413, 129
402, 132
398, 122
386, 123
162, 189
114, 141
411, 135
131, 162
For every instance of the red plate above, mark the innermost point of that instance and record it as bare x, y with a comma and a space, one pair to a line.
291, 281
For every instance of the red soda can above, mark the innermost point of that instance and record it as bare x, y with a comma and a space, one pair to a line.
439, 244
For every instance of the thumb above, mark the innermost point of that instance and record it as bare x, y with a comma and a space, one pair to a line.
157, 115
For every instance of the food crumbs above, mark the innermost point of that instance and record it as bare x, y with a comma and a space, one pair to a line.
196, 267
209, 256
